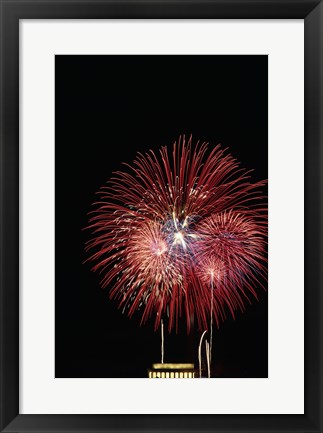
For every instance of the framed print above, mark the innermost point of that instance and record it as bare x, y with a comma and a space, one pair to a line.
161, 196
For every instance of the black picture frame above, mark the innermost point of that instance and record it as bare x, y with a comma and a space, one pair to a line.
14, 10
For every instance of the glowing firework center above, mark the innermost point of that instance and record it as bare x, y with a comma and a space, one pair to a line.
179, 233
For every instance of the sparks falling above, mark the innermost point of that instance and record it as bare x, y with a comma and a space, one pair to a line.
172, 225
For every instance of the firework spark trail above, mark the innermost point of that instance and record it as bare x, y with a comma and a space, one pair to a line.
169, 220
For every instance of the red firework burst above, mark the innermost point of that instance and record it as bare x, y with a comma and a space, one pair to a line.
175, 224
231, 256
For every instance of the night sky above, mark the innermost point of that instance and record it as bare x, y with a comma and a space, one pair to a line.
107, 109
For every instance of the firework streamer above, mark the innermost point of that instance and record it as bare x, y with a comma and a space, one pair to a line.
208, 361
162, 341
160, 225
211, 320
200, 353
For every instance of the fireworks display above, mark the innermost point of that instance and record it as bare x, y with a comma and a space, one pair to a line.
181, 233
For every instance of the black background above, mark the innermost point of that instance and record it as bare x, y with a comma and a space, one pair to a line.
108, 108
